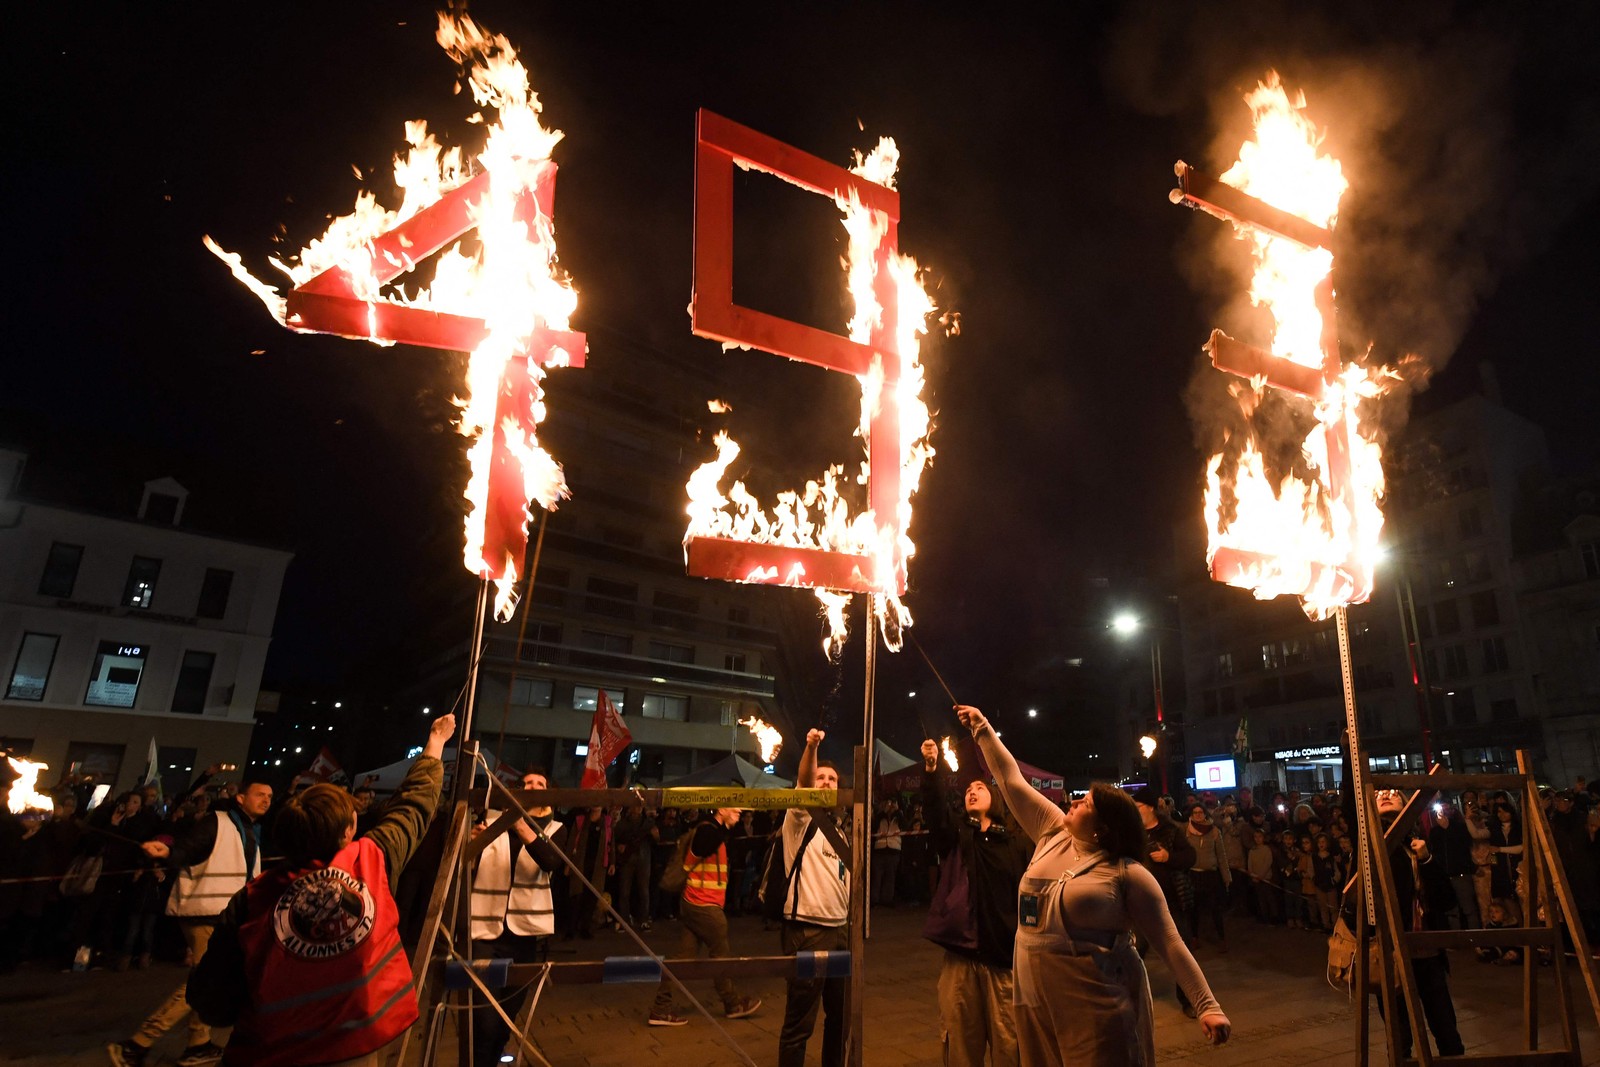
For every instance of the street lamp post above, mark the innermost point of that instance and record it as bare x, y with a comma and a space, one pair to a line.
1127, 625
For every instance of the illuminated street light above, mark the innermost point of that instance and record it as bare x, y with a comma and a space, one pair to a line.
1125, 624
1033, 713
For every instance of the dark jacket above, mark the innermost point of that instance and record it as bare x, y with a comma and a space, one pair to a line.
1174, 838
1452, 846
992, 862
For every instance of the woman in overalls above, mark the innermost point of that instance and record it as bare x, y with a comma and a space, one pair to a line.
1082, 996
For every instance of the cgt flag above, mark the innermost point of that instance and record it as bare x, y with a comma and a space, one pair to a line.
324, 768
608, 736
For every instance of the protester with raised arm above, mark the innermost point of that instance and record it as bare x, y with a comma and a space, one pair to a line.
1082, 996
974, 919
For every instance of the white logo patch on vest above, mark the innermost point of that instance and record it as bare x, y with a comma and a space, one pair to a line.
324, 913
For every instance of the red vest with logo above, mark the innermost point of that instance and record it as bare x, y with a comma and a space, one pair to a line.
331, 979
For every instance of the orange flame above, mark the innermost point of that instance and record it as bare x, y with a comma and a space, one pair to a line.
949, 753
510, 279
820, 516
1309, 538
766, 735
24, 795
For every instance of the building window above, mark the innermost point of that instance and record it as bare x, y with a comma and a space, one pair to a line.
60, 570
601, 641
1447, 617
96, 761
1503, 710
1485, 608
1460, 708
194, 677
585, 698
141, 587
674, 609
1455, 661
1591, 559
734, 661
532, 692
1295, 651
1225, 665
32, 669
613, 599
662, 706
1470, 523
1269, 656
550, 587
730, 713
1494, 655
114, 681
176, 768
214, 592
666, 650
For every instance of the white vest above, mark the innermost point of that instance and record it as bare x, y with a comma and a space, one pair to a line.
203, 891
517, 901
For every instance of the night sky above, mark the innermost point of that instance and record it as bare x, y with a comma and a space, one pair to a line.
1036, 158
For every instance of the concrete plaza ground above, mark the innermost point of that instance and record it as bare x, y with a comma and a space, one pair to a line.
1270, 983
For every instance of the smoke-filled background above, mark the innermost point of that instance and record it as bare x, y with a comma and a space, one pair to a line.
1469, 134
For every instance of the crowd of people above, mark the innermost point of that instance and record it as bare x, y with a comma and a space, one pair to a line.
1044, 910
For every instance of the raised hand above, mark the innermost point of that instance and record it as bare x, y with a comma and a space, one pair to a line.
930, 754
972, 719
814, 737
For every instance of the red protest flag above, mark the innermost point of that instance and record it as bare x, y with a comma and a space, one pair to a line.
324, 767
608, 736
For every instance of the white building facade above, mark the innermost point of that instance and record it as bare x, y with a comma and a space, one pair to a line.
118, 630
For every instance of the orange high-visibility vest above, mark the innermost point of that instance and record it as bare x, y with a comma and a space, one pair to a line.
708, 878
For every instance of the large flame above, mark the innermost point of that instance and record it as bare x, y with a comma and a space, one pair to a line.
820, 516
24, 792
766, 735
1309, 538
508, 276
949, 751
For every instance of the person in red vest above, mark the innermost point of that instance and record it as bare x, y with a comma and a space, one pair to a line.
702, 918
306, 963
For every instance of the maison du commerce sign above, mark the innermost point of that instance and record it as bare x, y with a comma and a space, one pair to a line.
1263, 755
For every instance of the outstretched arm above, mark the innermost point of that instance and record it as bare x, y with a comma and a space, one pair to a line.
1033, 810
1148, 909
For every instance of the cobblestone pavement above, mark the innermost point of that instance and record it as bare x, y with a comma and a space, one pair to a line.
1270, 983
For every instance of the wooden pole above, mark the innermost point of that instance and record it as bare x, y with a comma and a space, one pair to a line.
522, 633
861, 848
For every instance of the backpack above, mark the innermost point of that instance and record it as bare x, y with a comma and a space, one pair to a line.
776, 883
676, 875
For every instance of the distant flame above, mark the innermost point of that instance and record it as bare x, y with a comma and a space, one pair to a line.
820, 516
949, 754
1309, 539
767, 736
24, 795
509, 278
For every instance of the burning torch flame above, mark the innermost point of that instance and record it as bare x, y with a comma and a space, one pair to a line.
510, 279
766, 735
1299, 527
820, 516
949, 754
24, 797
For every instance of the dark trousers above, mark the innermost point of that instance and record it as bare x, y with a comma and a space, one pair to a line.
633, 888
1433, 989
807, 995
489, 1031
885, 866
700, 924
1209, 895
